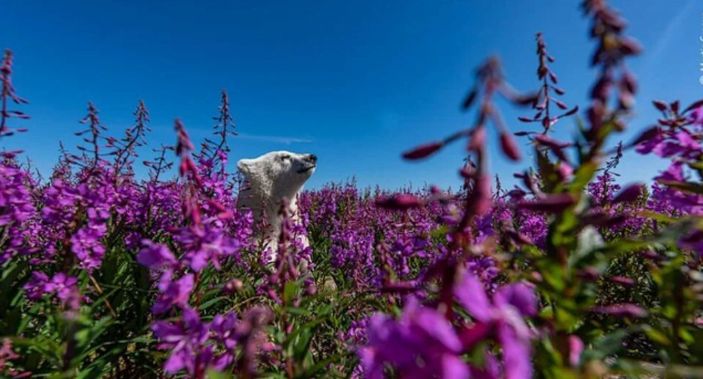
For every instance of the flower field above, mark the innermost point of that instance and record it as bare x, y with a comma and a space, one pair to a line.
569, 274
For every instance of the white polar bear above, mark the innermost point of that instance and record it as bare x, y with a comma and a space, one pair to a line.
267, 180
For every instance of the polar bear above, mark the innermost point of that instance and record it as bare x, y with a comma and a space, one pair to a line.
267, 180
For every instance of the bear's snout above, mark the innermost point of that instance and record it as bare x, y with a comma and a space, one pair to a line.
311, 158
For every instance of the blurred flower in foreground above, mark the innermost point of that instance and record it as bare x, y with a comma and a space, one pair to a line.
422, 344
501, 315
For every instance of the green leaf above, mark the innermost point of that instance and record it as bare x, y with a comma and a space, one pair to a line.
583, 175
290, 291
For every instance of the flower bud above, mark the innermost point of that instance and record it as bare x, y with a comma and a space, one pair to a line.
423, 151
509, 147
399, 202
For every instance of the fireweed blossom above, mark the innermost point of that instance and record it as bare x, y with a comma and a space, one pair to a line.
669, 200
173, 293
696, 116
61, 286
422, 344
501, 317
62, 229
677, 138
17, 213
65, 204
223, 328
186, 340
194, 345
207, 244
64, 287
666, 145
7, 355
692, 241
86, 245
156, 255
35, 287
356, 226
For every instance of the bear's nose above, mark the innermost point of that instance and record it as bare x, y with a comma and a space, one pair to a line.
312, 158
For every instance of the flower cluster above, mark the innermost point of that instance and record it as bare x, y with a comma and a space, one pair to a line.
570, 273
424, 343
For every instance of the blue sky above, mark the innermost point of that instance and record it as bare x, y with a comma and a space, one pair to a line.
355, 82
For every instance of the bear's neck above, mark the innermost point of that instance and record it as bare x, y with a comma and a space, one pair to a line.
264, 199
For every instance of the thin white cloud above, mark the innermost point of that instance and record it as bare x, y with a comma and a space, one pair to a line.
653, 58
276, 139
285, 140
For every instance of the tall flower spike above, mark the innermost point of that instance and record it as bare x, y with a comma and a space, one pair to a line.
612, 48
160, 164
125, 148
188, 171
8, 94
94, 131
543, 103
225, 127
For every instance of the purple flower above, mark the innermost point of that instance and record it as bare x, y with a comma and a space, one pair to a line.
224, 329
649, 144
87, 246
534, 227
503, 314
692, 241
252, 338
18, 216
603, 190
681, 144
35, 288
186, 339
7, 355
173, 292
64, 287
421, 344
575, 349
696, 116
206, 244
155, 255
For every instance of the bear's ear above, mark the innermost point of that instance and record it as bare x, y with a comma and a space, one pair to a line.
244, 165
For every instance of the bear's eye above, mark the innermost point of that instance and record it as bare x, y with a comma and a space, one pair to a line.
284, 157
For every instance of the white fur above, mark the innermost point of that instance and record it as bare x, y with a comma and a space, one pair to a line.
268, 179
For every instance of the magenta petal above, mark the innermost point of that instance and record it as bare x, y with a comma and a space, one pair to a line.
516, 353
373, 368
435, 325
454, 368
520, 296
575, 348
472, 296
166, 331
175, 363
154, 254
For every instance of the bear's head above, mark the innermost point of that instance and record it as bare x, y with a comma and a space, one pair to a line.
278, 173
